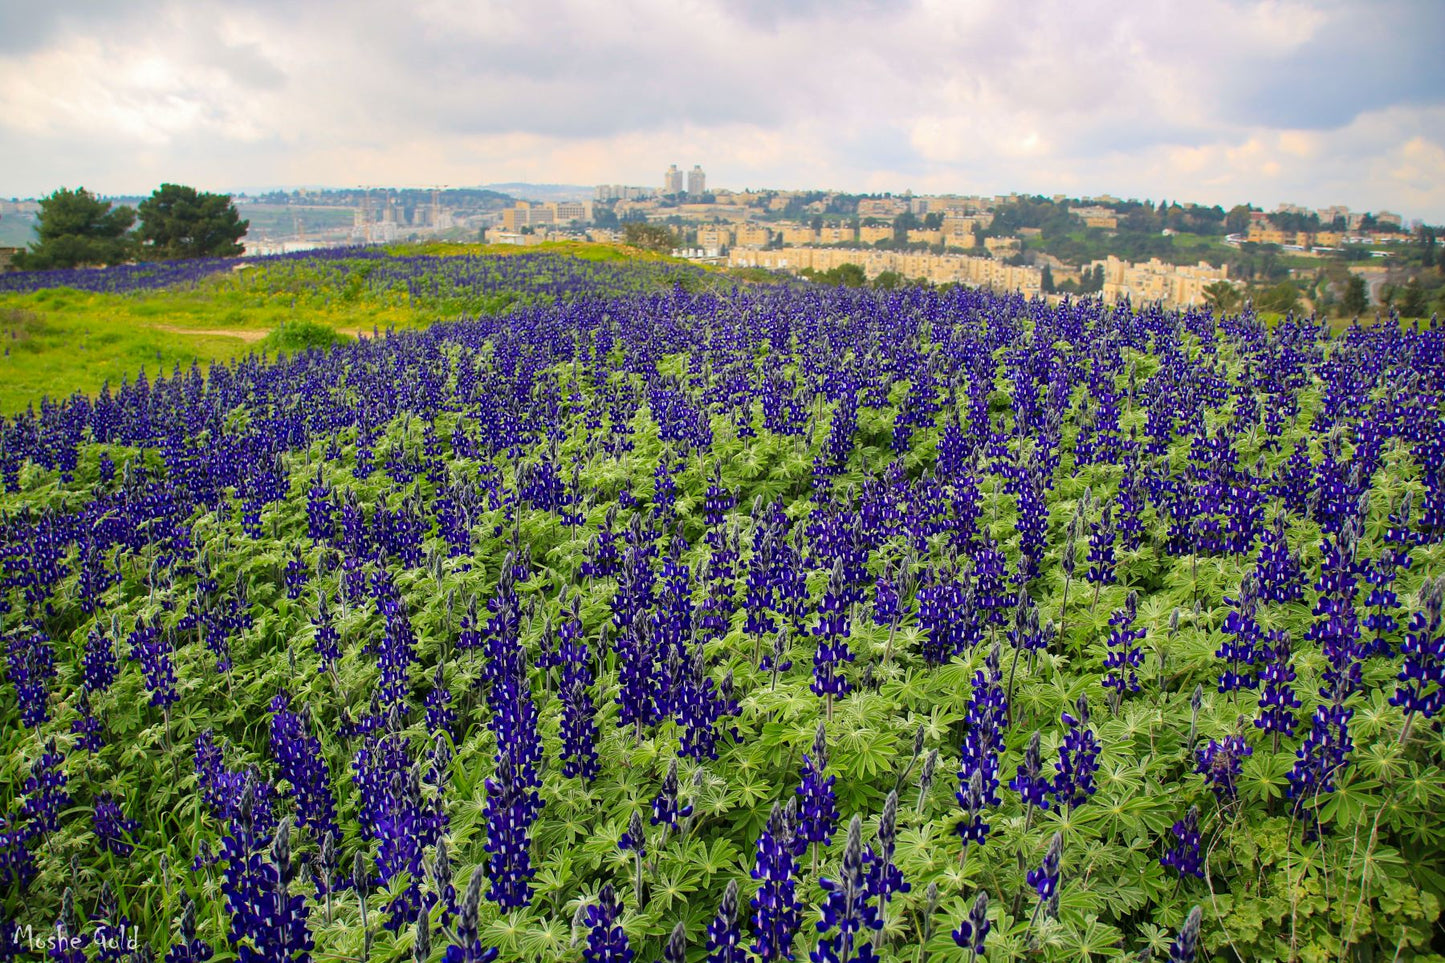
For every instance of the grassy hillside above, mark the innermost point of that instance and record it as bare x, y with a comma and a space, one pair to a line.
60, 340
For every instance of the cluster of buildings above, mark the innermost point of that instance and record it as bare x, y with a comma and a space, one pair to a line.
1154, 280
1176, 285
1339, 226
527, 214
935, 268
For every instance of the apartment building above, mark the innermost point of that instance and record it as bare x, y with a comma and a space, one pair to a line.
1154, 280
798, 234
872, 235
889, 207
620, 192
964, 223
526, 214
836, 235
714, 236
672, 180
752, 235
566, 211
936, 268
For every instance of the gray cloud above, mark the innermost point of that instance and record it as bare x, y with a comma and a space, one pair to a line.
1198, 99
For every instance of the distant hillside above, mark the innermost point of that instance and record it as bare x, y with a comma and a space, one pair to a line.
16, 231
544, 192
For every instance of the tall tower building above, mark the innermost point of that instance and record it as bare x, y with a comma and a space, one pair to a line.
672, 181
696, 182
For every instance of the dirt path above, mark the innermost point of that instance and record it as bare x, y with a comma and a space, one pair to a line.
247, 335
251, 335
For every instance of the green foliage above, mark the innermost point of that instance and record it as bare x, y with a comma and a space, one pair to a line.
1356, 297
1369, 889
78, 229
1282, 298
1222, 296
649, 237
299, 335
848, 275
180, 222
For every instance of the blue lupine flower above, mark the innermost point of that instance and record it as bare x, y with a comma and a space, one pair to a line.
1220, 762
89, 728
1422, 673
1184, 855
98, 662
776, 910
1078, 759
973, 931
301, 762
724, 937
606, 940
983, 742
817, 805
1125, 656
665, 808
844, 902
1045, 879
884, 878
1277, 700
1323, 756
45, 794
112, 829
1030, 783
832, 634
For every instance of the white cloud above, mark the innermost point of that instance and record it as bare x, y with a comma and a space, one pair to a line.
1210, 100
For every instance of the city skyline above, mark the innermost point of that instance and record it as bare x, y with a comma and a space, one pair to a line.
1226, 101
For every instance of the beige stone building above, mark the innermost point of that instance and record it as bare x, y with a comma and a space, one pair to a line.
924, 236
526, 214
936, 268
963, 223
874, 234
752, 235
797, 234
714, 236
1154, 280
836, 235
882, 206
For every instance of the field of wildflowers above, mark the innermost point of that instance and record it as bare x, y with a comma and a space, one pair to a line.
646, 619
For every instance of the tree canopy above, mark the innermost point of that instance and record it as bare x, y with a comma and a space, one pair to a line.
649, 237
77, 229
181, 222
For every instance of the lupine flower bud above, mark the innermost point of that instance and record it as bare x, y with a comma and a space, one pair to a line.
724, 940
421, 946
675, 951
1183, 949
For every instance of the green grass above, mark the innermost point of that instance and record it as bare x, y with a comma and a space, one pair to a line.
55, 350
59, 341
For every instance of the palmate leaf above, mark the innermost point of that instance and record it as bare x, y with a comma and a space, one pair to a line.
672, 885
1094, 939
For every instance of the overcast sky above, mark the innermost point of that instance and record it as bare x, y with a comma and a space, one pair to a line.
1310, 101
